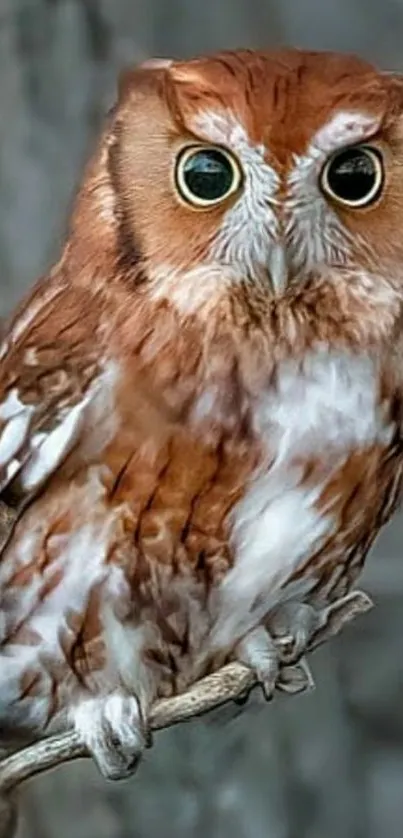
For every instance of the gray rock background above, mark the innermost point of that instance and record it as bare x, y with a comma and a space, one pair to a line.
328, 765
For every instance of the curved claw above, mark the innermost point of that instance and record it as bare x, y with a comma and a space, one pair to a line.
293, 624
259, 651
296, 679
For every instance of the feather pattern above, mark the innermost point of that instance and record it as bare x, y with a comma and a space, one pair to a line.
200, 409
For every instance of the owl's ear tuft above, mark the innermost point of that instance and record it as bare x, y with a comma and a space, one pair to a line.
394, 80
156, 64
131, 78
188, 72
191, 76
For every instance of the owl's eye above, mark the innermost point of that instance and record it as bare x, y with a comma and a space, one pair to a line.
206, 176
354, 177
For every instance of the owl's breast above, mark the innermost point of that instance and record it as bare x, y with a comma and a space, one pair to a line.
217, 520
212, 522
248, 503
330, 479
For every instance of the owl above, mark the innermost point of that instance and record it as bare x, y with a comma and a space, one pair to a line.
201, 403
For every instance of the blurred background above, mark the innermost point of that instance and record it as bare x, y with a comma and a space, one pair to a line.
327, 765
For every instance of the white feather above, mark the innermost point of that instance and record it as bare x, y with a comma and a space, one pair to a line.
327, 408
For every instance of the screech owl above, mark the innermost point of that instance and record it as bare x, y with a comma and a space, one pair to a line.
201, 404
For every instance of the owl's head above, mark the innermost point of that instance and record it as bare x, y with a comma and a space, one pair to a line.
272, 170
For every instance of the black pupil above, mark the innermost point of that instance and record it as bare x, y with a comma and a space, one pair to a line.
352, 175
208, 175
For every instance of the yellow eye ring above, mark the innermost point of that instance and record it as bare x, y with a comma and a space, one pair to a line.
354, 176
206, 175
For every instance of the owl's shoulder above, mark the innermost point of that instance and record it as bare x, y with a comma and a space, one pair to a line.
51, 368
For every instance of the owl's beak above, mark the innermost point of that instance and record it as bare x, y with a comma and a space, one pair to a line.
278, 268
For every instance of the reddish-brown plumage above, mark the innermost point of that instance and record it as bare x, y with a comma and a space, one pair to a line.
200, 409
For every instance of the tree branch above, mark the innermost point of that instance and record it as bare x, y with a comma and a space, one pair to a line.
231, 683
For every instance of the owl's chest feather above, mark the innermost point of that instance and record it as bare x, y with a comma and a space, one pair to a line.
315, 497
205, 539
236, 527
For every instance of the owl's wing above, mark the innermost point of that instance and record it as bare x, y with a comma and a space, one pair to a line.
47, 373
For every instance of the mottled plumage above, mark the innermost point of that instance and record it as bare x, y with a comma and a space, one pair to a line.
201, 404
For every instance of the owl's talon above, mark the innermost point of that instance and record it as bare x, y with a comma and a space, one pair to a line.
295, 679
293, 625
259, 652
112, 730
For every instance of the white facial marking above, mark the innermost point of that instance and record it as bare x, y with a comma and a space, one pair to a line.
250, 243
327, 407
190, 291
250, 225
278, 268
314, 233
343, 129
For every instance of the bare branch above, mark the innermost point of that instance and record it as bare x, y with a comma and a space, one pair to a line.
232, 682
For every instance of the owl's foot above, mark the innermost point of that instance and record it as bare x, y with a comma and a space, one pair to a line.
276, 652
297, 627
296, 677
112, 730
293, 624
263, 654
258, 651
